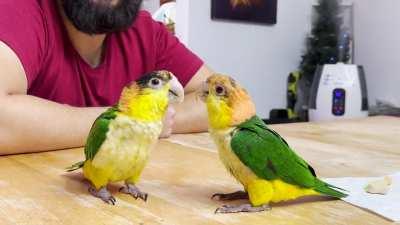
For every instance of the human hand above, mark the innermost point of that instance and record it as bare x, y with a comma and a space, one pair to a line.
168, 122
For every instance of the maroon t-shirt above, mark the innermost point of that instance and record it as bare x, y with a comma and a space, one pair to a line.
33, 29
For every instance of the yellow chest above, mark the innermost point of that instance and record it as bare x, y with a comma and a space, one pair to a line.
260, 191
231, 162
126, 148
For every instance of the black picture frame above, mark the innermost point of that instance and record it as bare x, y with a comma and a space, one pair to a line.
261, 11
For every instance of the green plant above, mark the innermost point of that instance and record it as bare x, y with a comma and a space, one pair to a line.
322, 47
322, 44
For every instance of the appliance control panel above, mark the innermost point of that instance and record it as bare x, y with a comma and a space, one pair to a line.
338, 101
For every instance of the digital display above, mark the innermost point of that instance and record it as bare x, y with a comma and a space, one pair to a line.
338, 101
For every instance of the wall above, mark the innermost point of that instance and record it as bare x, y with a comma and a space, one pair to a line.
151, 5
258, 56
182, 20
377, 46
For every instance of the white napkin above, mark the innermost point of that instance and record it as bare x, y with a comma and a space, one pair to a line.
386, 205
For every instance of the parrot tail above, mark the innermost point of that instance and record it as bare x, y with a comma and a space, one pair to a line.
76, 166
330, 190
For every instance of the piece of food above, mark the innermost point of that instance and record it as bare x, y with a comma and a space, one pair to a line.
381, 186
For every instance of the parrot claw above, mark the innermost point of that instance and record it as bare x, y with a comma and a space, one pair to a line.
111, 200
241, 208
231, 196
103, 194
134, 191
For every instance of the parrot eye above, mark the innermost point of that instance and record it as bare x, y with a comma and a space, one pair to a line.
155, 83
220, 90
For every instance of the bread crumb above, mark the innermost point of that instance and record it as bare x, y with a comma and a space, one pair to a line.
381, 186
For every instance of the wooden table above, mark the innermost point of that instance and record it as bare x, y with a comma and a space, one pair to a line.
185, 171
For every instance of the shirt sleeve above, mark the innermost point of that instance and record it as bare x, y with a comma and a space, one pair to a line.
22, 29
173, 56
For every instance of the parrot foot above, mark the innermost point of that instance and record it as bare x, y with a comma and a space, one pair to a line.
134, 191
242, 208
103, 194
231, 196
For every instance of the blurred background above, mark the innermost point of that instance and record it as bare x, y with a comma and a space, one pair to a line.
262, 56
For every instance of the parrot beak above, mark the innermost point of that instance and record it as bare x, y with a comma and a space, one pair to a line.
176, 93
203, 92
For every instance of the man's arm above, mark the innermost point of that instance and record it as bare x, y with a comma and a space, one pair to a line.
30, 124
191, 115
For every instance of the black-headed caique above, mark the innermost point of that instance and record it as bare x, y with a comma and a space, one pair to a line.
118, 145
258, 157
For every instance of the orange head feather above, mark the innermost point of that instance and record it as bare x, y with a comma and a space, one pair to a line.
228, 104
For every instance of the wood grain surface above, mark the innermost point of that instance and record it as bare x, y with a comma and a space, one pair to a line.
185, 171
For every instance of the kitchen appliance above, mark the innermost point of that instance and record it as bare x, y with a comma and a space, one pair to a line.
338, 91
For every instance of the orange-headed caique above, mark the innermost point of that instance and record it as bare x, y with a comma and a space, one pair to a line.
258, 157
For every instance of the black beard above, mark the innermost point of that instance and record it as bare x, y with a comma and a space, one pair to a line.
100, 17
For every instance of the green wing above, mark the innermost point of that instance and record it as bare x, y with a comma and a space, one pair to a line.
268, 155
98, 132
